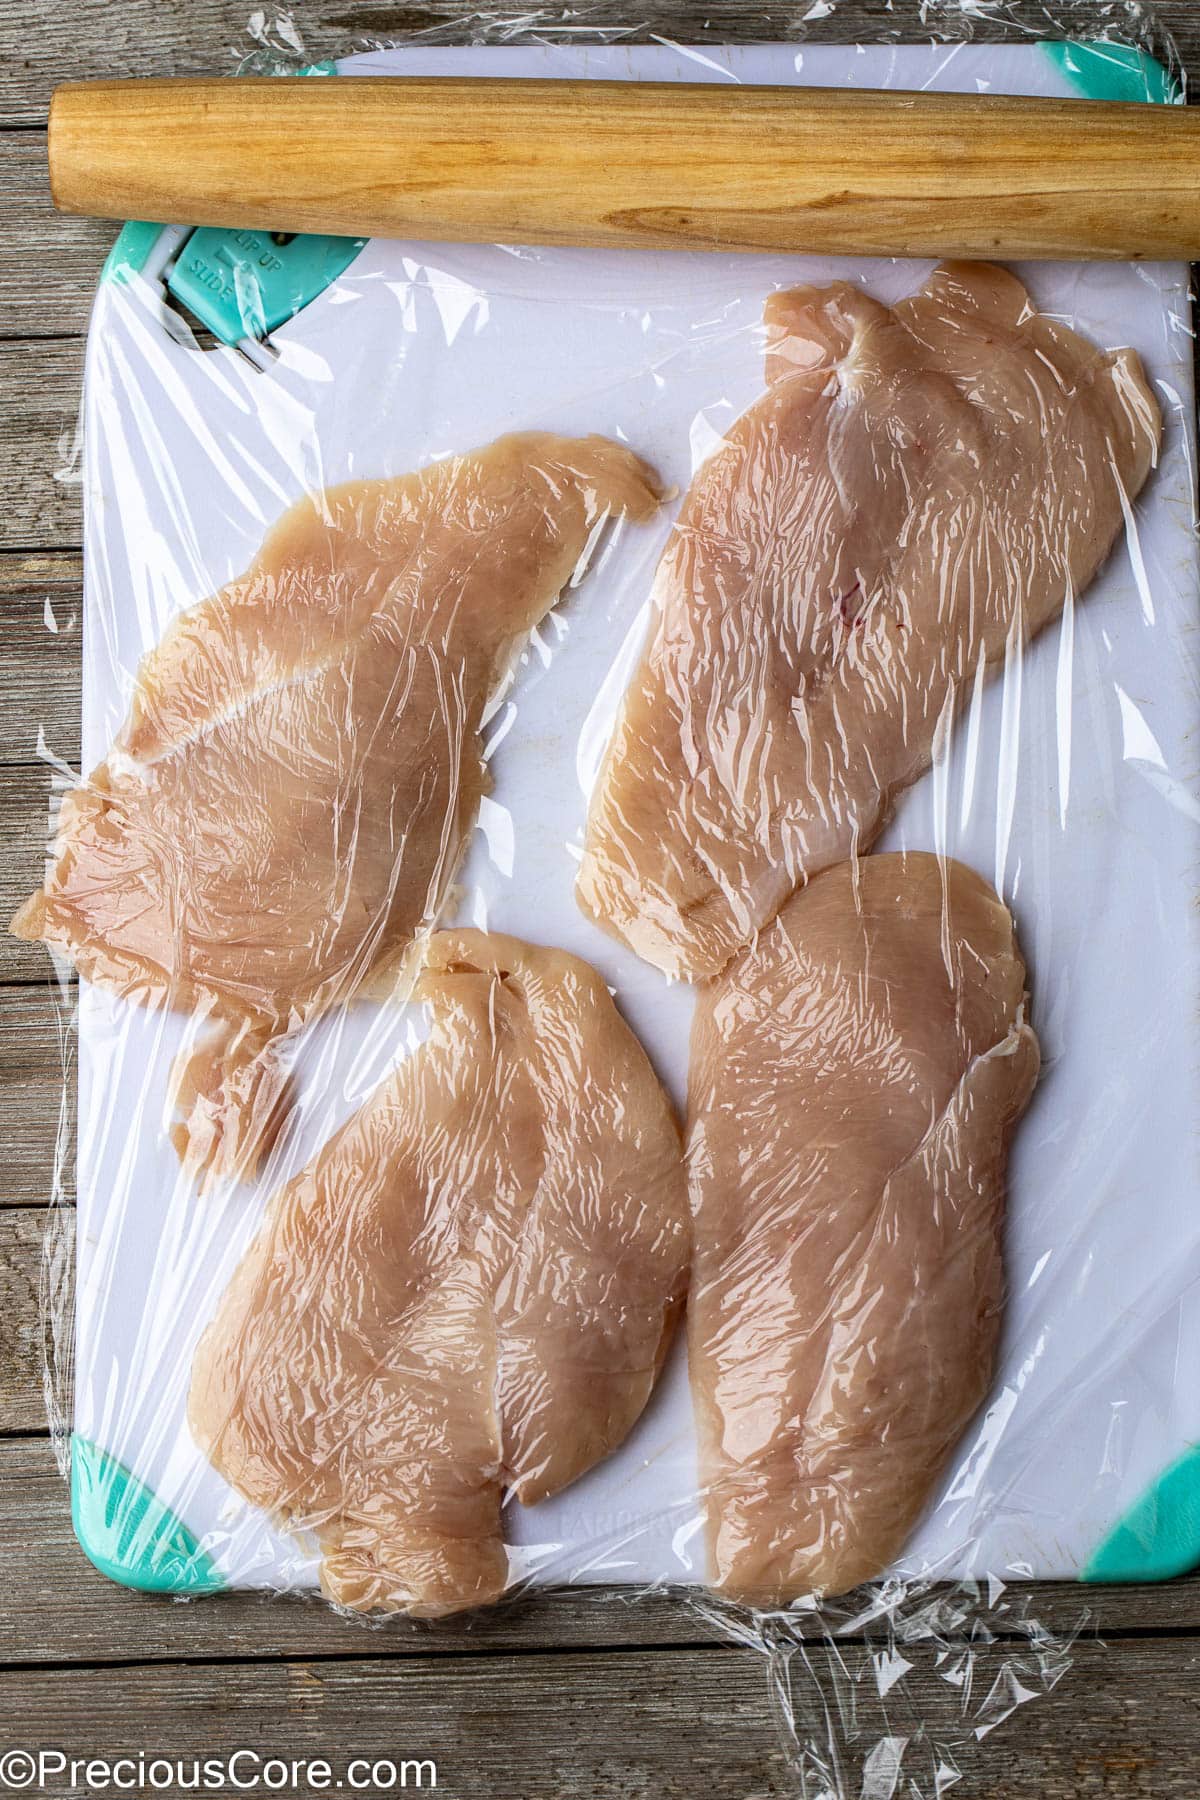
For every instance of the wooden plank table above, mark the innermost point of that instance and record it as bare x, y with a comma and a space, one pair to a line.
550, 1697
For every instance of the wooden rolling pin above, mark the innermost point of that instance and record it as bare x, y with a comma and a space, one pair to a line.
637, 164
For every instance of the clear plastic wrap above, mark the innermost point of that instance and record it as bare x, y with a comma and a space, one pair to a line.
496, 662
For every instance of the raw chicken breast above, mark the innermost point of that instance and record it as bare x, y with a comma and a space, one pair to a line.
917, 492
856, 1076
471, 1288
290, 794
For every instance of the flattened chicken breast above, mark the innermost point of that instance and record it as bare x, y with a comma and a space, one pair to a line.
856, 1077
471, 1288
291, 792
917, 492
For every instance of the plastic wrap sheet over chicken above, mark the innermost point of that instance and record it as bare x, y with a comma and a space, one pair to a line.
300, 768
856, 1076
472, 1288
919, 490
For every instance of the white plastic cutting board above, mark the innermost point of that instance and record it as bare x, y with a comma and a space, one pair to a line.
1073, 788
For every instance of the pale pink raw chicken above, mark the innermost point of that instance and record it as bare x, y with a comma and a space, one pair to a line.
291, 792
915, 495
856, 1076
471, 1288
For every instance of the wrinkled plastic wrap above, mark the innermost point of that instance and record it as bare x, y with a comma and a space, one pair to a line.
618, 786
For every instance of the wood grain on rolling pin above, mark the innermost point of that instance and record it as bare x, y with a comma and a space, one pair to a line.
637, 164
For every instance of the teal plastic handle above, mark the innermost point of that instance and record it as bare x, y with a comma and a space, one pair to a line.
125, 1530
1115, 72
242, 284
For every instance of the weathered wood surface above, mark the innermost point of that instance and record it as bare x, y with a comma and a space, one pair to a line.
508, 1727
39, 654
47, 44
674, 1723
22, 1406
32, 1022
25, 816
39, 387
551, 1697
67, 253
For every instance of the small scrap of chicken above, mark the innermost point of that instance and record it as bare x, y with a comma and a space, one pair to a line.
917, 493
856, 1076
471, 1288
291, 792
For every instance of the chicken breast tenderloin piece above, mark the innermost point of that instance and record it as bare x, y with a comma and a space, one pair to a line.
291, 792
917, 492
856, 1076
471, 1288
